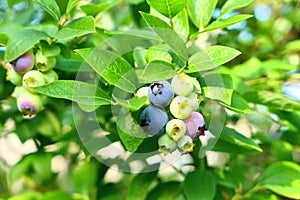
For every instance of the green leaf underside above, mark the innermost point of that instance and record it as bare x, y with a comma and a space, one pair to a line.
50, 7
219, 24
282, 178
169, 8
236, 143
165, 32
77, 27
112, 67
76, 91
21, 42
238, 104
272, 100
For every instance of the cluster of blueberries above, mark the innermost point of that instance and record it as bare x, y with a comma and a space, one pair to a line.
187, 122
29, 71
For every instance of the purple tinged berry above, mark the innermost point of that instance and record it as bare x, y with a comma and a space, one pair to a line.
153, 120
160, 93
182, 84
195, 125
180, 107
44, 63
14, 77
24, 63
176, 129
29, 104
33, 78
185, 144
166, 144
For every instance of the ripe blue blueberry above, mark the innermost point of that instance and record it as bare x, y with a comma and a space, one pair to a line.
153, 120
24, 63
160, 93
29, 104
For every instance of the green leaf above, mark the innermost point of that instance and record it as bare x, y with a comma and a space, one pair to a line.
272, 100
56, 195
95, 9
282, 178
138, 187
71, 5
293, 46
50, 7
130, 142
249, 69
49, 50
238, 104
158, 52
42, 165
112, 67
221, 54
233, 142
28, 194
157, 71
85, 177
219, 24
21, 168
181, 24
212, 57
217, 86
169, 8
201, 11
22, 41
165, 32
133, 104
231, 5
79, 92
76, 27
165, 191
200, 185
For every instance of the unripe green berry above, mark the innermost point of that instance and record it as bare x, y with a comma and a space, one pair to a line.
176, 129
185, 144
14, 77
143, 91
166, 144
182, 84
44, 63
18, 91
180, 107
33, 78
50, 76
29, 104
193, 97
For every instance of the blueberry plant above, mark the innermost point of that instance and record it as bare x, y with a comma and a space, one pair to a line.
149, 99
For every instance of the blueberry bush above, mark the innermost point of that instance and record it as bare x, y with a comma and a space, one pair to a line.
149, 99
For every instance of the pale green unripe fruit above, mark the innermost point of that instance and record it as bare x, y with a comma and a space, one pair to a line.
14, 77
50, 76
180, 107
143, 91
166, 144
193, 97
33, 78
182, 84
185, 144
44, 63
18, 91
176, 129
